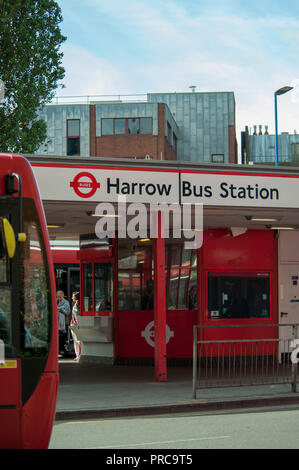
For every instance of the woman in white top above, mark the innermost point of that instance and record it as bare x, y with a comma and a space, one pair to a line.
74, 323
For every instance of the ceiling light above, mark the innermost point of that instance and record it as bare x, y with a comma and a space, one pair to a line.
144, 239
55, 226
105, 215
261, 219
282, 228
257, 219
191, 229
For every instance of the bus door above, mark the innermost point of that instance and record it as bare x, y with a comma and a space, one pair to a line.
73, 280
97, 296
10, 375
97, 286
67, 279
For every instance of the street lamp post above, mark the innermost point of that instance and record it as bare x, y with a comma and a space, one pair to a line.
281, 91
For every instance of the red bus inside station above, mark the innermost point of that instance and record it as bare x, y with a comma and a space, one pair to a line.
140, 297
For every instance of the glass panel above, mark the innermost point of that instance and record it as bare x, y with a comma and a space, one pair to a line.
176, 255
239, 296
218, 158
183, 293
120, 126
146, 125
186, 258
135, 285
147, 299
73, 146
61, 280
107, 126
103, 287
169, 133
173, 288
87, 283
5, 298
175, 142
133, 126
3, 270
34, 283
192, 296
128, 262
5, 314
181, 278
73, 127
74, 281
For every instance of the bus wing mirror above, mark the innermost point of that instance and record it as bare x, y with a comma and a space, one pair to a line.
7, 239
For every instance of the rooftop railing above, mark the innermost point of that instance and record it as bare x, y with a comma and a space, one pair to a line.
89, 99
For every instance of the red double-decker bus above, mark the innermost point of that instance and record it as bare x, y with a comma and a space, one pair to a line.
28, 313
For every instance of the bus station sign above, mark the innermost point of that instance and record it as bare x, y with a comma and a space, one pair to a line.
151, 185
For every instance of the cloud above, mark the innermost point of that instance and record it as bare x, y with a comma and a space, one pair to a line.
88, 74
152, 46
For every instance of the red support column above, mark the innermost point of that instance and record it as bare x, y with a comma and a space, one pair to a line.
160, 299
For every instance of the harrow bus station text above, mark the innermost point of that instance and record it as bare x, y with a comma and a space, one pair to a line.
225, 190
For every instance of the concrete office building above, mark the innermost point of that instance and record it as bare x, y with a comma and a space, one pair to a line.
194, 127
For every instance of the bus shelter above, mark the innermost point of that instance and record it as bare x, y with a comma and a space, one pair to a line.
165, 246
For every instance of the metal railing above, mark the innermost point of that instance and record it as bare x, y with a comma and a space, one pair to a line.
236, 362
89, 99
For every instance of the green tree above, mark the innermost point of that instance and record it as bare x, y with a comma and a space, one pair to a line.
30, 68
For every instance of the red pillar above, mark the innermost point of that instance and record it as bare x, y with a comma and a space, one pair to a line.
160, 299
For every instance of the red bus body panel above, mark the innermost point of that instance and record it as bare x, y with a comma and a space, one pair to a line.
65, 256
29, 425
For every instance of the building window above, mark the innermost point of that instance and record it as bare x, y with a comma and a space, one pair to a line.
119, 126
243, 295
295, 151
218, 158
175, 142
107, 127
133, 126
127, 126
73, 137
146, 125
169, 132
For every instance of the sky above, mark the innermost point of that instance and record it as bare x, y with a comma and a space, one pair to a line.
130, 47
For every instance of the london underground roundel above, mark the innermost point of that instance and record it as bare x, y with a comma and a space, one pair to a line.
149, 334
84, 184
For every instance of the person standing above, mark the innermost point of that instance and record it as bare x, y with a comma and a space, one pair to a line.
63, 308
74, 323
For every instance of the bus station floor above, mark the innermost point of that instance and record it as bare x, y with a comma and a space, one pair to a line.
89, 391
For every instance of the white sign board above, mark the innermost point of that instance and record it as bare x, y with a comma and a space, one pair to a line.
101, 184
97, 184
245, 190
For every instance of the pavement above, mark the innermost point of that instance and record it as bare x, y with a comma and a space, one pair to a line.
92, 391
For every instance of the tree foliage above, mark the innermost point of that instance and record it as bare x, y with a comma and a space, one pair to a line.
30, 68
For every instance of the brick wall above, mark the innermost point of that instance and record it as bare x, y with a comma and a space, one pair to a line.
130, 146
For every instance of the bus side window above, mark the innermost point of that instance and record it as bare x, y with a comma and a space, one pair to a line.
5, 289
35, 282
5, 314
